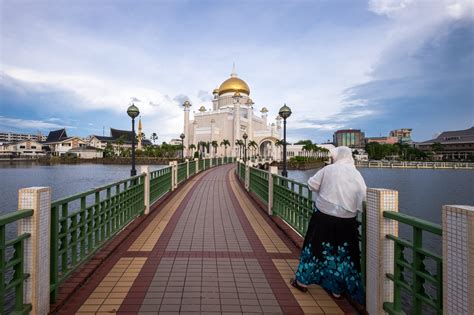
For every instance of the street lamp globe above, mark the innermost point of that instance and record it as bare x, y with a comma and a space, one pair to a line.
284, 112
133, 111
182, 136
245, 136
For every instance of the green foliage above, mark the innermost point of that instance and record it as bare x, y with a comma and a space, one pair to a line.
109, 150
404, 152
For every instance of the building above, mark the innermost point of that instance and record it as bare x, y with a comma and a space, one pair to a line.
403, 135
87, 152
293, 150
58, 143
23, 148
451, 145
8, 137
119, 139
382, 140
352, 138
232, 115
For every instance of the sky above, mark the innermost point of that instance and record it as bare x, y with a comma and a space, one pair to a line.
374, 65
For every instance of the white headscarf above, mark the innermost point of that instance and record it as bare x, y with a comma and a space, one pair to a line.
341, 183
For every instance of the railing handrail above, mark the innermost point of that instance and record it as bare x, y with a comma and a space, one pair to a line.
414, 221
15, 216
93, 190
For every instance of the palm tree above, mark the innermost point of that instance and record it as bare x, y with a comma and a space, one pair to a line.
154, 137
253, 146
192, 147
215, 144
240, 143
225, 143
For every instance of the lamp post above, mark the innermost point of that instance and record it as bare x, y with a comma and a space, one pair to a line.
245, 136
284, 113
182, 146
133, 112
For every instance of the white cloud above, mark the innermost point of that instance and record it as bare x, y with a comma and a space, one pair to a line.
18, 123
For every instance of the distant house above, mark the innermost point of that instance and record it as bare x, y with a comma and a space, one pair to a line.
451, 145
23, 148
382, 140
119, 139
59, 143
87, 152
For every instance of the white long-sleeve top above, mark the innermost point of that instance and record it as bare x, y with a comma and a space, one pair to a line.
340, 187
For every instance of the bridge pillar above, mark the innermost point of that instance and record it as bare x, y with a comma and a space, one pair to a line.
272, 170
187, 168
458, 259
174, 175
247, 175
379, 250
145, 169
37, 247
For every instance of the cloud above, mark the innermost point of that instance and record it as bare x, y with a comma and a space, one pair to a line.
181, 98
204, 96
31, 124
134, 99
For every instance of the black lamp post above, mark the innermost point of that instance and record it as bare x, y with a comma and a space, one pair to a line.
133, 112
284, 113
245, 136
182, 146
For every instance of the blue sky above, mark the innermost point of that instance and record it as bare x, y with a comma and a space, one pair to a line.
376, 65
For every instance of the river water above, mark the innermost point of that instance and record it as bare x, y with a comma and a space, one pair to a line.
422, 192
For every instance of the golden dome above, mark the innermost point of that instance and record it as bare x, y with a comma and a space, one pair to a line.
234, 84
216, 91
202, 109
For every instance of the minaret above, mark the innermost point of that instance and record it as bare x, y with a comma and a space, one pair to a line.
250, 103
264, 112
278, 123
186, 106
139, 146
213, 122
236, 98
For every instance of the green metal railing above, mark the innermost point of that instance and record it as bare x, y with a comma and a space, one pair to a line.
192, 168
293, 202
207, 163
201, 165
420, 276
182, 172
259, 183
242, 172
160, 183
82, 223
12, 262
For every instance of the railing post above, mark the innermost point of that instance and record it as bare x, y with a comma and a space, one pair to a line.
145, 169
458, 259
37, 254
172, 175
247, 175
187, 168
379, 250
210, 162
271, 171
175, 166
197, 165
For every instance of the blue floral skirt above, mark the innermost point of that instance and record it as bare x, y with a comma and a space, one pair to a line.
331, 256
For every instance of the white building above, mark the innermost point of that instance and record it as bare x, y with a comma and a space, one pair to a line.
87, 152
24, 148
231, 116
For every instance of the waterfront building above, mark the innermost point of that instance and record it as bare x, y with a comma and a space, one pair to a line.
231, 116
403, 135
119, 139
58, 143
87, 152
22, 148
352, 138
382, 140
293, 150
9, 137
451, 145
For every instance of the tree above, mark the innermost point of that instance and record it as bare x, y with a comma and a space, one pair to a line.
225, 143
154, 137
120, 141
215, 144
253, 146
192, 147
109, 150
240, 143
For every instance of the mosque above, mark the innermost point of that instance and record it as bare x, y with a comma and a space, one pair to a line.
232, 115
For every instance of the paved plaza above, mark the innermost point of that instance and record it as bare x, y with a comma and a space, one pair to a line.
208, 249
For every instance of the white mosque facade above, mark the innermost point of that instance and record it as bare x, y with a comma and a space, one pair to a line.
232, 115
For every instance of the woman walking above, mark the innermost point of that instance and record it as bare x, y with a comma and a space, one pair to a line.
330, 256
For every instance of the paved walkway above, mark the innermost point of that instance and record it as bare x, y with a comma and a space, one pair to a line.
206, 250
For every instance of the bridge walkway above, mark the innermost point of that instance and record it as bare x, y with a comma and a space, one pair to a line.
208, 249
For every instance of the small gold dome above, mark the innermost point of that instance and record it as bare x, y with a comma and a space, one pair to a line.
202, 109
264, 110
216, 91
234, 84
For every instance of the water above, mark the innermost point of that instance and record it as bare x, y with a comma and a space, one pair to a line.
422, 193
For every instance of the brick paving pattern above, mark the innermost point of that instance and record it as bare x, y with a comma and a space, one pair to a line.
207, 250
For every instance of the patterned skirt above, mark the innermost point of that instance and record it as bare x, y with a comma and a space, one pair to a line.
331, 256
